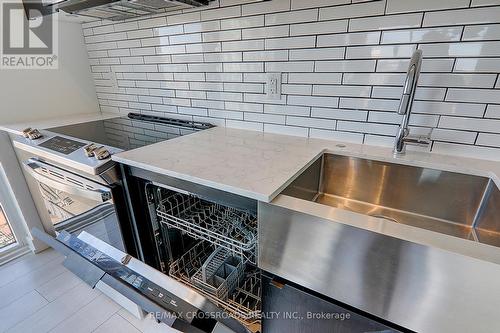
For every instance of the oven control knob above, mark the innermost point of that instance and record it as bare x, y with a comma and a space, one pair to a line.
90, 149
32, 134
102, 153
26, 131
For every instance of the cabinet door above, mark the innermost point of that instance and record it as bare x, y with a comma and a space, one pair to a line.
291, 310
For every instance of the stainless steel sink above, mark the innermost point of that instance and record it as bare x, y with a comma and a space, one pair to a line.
414, 246
450, 203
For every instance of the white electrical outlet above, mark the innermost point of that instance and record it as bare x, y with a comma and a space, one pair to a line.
273, 86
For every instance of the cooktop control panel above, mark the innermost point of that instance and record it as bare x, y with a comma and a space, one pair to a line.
133, 279
62, 145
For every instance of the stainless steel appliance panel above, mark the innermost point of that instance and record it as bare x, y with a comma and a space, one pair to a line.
418, 287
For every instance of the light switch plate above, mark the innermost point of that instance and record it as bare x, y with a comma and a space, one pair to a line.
273, 86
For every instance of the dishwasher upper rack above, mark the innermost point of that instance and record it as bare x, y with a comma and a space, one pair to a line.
224, 226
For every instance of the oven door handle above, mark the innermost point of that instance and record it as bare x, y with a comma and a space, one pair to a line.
100, 193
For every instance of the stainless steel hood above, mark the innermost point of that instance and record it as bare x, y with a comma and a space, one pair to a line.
116, 10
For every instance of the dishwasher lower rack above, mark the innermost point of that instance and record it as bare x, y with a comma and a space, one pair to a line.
223, 226
243, 303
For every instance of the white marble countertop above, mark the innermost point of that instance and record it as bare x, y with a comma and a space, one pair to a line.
260, 165
17, 128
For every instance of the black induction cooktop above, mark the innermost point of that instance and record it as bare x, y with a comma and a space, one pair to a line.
133, 131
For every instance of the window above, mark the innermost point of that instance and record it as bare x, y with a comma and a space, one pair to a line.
6, 235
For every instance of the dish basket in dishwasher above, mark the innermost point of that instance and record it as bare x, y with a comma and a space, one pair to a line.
243, 302
220, 225
220, 274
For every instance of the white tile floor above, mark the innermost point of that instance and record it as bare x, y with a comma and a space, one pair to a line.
37, 294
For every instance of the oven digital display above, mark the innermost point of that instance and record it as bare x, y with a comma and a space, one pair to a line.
62, 145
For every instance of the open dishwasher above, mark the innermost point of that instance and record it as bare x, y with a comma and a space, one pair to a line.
209, 247
197, 264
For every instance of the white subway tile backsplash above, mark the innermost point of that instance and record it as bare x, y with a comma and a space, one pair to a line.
225, 114
223, 57
467, 49
425, 35
264, 118
404, 6
386, 22
204, 47
343, 64
336, 135
245, 125
296, 89
265, 7
380, 51
481, 32
244, 67
478, 3
195, 27
220, 13
227, 35
301, 4
352, 38
242, 22
466, 150
457, 80
369, 104
313, 101
315, 78
186, 39
474, 95
462, 16
493, 111
311, 122
342, 90
472, 124
451, 109
184, 18
280, 55
286, 130
369, 128
243, 45
247, 107
290, 66
483, 65
292, 17
318, 28
428, 65
352, 10
487, 139
152, 22
318, 54
339, 114
376, 79
447, 135
266, 32
290, 43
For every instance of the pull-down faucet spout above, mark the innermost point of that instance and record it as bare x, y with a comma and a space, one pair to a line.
403, 136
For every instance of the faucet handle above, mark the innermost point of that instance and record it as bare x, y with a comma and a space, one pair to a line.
420, 140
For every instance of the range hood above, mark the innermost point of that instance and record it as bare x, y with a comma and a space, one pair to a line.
116, 10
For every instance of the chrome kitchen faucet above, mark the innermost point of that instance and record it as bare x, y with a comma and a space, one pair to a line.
403, 136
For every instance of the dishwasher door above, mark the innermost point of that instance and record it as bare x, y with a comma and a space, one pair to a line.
167, 300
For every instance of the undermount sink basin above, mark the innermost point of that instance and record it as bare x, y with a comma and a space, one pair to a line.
449, 203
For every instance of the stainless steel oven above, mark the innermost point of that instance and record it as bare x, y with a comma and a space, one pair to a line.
74, 203
73, 181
